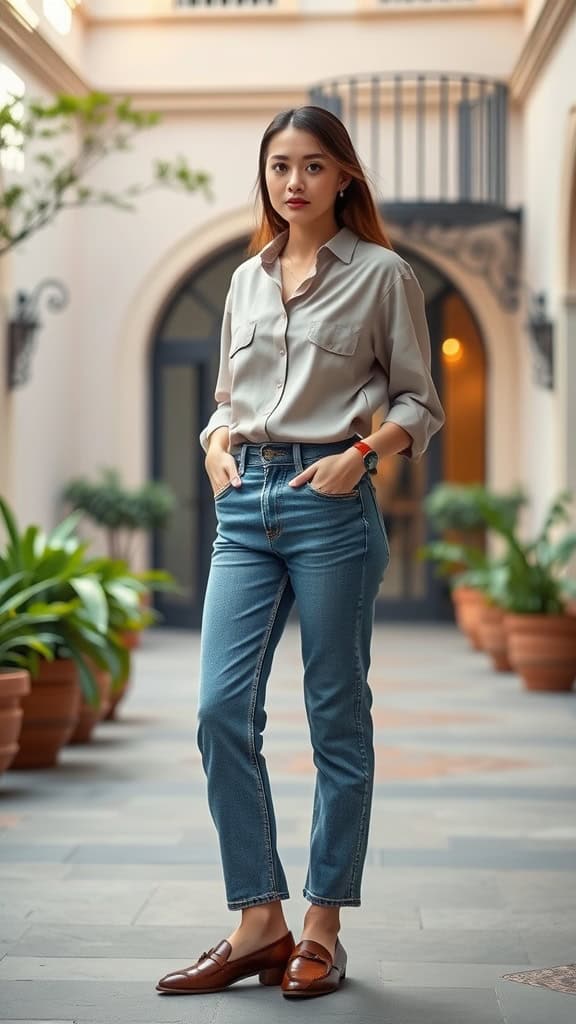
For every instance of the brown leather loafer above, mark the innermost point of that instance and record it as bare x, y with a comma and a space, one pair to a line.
311, 971
214, 971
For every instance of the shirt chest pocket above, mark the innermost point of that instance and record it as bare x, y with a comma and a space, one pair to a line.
242, 337
338, 338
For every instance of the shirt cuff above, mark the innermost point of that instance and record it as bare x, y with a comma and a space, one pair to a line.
219, 418
415, 423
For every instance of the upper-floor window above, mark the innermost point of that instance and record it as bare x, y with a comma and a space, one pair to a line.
11, 86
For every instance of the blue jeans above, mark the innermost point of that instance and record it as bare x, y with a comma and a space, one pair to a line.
275, 545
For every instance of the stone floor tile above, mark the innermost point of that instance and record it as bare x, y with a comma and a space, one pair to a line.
550, 947
61, 968
13, 928
528, 1004
85, 941
115, 857
498, 918
92, 1002
443, 975
145, 872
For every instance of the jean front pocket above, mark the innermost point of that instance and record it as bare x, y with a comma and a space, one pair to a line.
224, 490
332, 496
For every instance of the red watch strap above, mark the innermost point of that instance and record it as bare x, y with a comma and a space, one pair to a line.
362, 447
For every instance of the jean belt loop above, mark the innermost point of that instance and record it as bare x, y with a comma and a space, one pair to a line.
242, 461
297, 456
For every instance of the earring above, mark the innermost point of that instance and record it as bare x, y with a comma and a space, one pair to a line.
341, 193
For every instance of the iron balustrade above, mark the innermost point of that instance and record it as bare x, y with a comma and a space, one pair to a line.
227, 4
425, 136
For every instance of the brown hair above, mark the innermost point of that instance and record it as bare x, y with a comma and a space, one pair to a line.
355, 210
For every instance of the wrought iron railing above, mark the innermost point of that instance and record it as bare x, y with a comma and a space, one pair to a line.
230, 5
425, 136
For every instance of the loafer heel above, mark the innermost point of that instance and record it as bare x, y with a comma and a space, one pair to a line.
271, 976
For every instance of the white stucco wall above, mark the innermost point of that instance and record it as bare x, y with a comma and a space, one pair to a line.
37, 432
217, 55
545, 456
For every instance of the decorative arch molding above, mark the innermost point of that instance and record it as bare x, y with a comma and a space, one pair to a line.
500, 332
137, 332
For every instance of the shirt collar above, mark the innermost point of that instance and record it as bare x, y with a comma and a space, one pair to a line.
342, 245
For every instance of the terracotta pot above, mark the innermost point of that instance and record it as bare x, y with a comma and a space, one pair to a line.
131, 638
468, 603
542, 650
90, 714
115, 698
50, 714
493, 637
14, 685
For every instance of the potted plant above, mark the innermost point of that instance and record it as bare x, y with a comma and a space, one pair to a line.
55, 568
490, 625
459, 512
123, 590
535, 592
122, 514
20, 633
461, 563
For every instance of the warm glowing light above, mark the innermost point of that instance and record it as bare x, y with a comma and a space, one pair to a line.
452, 349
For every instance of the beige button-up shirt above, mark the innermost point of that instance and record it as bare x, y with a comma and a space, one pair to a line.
351, 339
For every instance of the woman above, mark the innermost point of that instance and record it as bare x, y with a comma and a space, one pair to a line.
323, 324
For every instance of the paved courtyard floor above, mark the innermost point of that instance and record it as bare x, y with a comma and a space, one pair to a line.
110, 876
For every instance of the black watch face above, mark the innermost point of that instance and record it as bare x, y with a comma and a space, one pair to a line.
371, 461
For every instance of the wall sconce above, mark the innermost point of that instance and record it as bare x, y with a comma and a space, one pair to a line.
542, 335
24, 325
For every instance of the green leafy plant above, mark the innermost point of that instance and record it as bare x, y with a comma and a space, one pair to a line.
463, 506
119, 511
57, 180
532, 576
25, 623
468, 509
59, 583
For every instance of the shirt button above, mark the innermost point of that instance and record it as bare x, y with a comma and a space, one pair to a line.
282, 352
278, 385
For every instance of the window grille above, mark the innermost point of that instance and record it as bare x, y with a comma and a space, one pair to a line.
210, 5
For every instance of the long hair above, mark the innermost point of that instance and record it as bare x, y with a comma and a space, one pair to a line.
355, 210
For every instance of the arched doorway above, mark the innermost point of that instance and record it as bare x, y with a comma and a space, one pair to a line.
184, 367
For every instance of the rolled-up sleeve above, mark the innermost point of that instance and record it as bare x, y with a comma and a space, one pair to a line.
221, 417
402, 347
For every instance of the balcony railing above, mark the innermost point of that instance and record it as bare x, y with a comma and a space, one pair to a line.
425, 136
231, 5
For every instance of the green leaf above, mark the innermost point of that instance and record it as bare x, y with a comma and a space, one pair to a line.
91, 593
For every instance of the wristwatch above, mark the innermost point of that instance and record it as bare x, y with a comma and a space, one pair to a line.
369, 456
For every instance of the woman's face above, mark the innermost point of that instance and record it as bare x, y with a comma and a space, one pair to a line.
297, 168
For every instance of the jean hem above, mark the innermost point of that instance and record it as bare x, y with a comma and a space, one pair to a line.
320, 901
254, 901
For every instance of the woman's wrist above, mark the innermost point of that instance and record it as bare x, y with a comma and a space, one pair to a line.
219, 438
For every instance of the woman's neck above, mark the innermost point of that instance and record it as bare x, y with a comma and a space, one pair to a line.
303, 242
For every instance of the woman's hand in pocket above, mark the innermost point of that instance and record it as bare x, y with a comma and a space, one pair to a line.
220, 465
334, 474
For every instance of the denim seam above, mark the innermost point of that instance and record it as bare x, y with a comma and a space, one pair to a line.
251, 738
357, 710
266, 897
380, 519
346, 901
